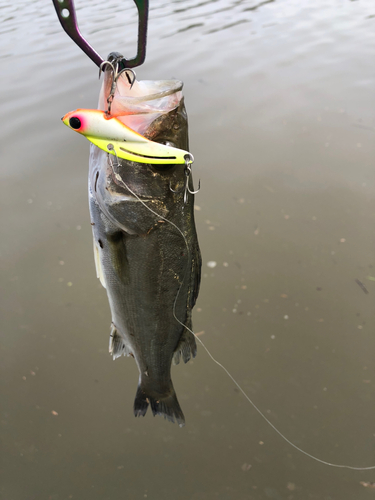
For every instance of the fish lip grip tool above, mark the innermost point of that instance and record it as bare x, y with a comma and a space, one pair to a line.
67, 16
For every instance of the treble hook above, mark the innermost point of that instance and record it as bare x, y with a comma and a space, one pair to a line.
189, 159
116, 58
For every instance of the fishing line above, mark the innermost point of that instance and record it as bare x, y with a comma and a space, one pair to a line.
119, 178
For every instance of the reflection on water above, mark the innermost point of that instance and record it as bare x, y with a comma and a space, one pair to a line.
282, 128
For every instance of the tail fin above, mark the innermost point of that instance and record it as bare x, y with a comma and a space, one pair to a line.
166, 405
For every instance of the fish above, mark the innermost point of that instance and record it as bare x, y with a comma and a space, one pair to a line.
146, 247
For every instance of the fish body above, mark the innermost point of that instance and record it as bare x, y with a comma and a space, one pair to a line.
147, 257
103, 130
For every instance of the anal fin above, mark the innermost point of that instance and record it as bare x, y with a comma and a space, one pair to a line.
186, 348
117, 345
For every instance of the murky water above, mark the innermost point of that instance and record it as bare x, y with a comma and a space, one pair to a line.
281, 98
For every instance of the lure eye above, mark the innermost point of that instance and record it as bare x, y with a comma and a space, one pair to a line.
75, 122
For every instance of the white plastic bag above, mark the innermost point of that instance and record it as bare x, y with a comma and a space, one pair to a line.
139, 106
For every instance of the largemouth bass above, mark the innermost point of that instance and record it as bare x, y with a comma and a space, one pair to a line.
145, 242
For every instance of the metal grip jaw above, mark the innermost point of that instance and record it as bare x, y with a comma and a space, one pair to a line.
67, 16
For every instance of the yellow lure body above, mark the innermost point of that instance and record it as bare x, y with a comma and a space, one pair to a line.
103, 131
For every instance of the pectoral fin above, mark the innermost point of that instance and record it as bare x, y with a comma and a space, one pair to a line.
98, 265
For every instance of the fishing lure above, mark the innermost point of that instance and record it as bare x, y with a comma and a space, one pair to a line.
103, 130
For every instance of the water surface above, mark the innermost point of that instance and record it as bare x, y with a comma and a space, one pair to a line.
280, 96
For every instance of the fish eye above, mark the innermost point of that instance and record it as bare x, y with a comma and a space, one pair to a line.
75, 122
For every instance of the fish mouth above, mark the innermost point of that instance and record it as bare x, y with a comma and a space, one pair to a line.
121, 191
132, 196
121, 197
141, 182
